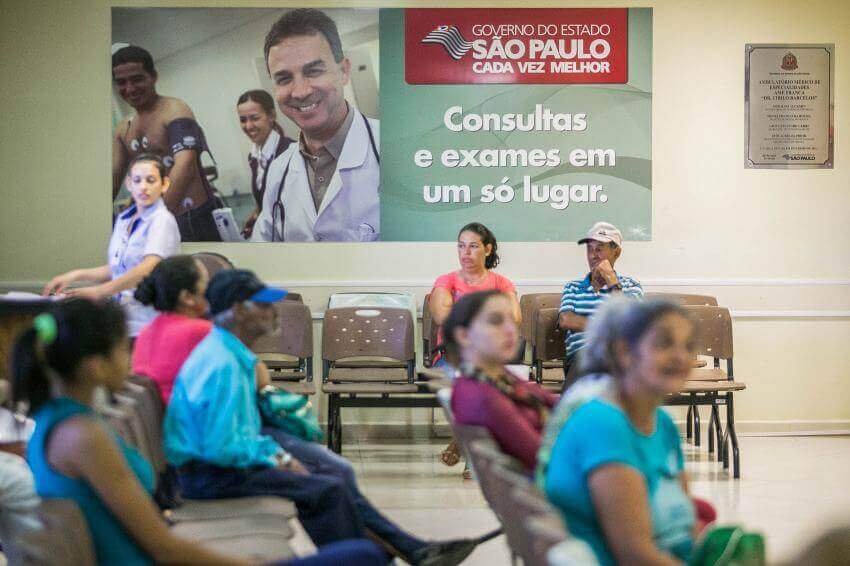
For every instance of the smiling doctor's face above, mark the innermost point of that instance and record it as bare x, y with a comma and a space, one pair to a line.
309, 84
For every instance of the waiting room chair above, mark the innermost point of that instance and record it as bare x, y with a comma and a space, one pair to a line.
514, 500
368, 360
430, 334
288, 352
543, 532
685, 298
214, 262
57, 536
712, 386
524, 503
531, 303
219, 523
547, 349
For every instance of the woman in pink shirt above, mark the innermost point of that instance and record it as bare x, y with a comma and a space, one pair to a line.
176, 289
481, 338
476, 253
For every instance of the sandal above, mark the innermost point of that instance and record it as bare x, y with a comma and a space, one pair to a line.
451, 455
467, 473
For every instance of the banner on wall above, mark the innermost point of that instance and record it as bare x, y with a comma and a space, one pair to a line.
535, 122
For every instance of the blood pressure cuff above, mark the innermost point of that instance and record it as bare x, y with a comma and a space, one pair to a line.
185, 133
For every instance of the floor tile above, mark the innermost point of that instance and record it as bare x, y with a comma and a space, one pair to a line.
792, 488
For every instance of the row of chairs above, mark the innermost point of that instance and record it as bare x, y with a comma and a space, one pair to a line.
708, 385
255, 528
530, 524
368, 359
368, 356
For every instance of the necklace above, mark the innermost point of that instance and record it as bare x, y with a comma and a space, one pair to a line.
506, 384
474, 282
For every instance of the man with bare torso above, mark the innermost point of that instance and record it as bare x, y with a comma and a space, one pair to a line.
166, 126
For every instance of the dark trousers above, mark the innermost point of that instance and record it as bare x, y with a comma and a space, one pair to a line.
198, 224
348, 552
325, 507
570, 372
319, 460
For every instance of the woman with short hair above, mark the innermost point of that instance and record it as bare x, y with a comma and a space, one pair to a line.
611, 460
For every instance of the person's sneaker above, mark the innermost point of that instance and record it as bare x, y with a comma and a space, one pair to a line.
447, 553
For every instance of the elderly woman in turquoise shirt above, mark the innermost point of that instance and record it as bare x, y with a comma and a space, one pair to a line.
611, 460
144, 234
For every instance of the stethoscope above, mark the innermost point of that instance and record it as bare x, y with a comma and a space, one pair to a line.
277, 207
282, 144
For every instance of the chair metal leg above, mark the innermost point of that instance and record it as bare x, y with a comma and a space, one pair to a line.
710, 434
713, 429
338, 429
331, 424
725, 446
697, 433
689, 422
730, 430
718, 430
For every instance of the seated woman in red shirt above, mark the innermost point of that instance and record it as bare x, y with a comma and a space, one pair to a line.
476, 253
176, 289
481, 337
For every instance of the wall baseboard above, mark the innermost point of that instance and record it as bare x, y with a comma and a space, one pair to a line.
426, 431
546, 282
555, 285
793, 427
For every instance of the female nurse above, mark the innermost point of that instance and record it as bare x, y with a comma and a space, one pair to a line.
258, 120
143, 235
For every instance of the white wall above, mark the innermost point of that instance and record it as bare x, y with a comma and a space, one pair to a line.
772, 244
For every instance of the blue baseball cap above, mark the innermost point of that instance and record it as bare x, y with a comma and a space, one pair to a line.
231, 286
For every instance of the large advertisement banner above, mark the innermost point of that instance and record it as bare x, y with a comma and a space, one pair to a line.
365, 125
535, 122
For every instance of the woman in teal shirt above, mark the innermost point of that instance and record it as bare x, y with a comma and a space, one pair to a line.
611, 460
56, 366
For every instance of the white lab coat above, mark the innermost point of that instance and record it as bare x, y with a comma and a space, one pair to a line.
350, 211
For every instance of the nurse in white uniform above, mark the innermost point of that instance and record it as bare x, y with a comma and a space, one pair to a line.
143, 235
325, 187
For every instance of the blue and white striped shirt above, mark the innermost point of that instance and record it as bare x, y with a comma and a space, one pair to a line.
581, 298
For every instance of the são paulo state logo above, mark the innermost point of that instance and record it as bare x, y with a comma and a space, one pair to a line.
789, 62
451, 39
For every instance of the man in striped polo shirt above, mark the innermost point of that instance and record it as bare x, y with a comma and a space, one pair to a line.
583, 296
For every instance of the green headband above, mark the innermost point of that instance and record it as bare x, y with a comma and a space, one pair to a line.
45, 328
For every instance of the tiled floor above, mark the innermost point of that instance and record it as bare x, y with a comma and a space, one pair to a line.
792, 488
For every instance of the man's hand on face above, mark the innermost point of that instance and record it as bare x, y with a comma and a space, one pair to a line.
603, 274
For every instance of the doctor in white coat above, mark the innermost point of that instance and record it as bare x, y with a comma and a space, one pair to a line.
325, 187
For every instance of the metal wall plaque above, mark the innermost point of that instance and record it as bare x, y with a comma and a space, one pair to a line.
788, 96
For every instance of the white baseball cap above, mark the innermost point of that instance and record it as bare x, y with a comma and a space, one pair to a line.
603, 232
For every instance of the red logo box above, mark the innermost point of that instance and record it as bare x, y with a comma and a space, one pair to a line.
526, 46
